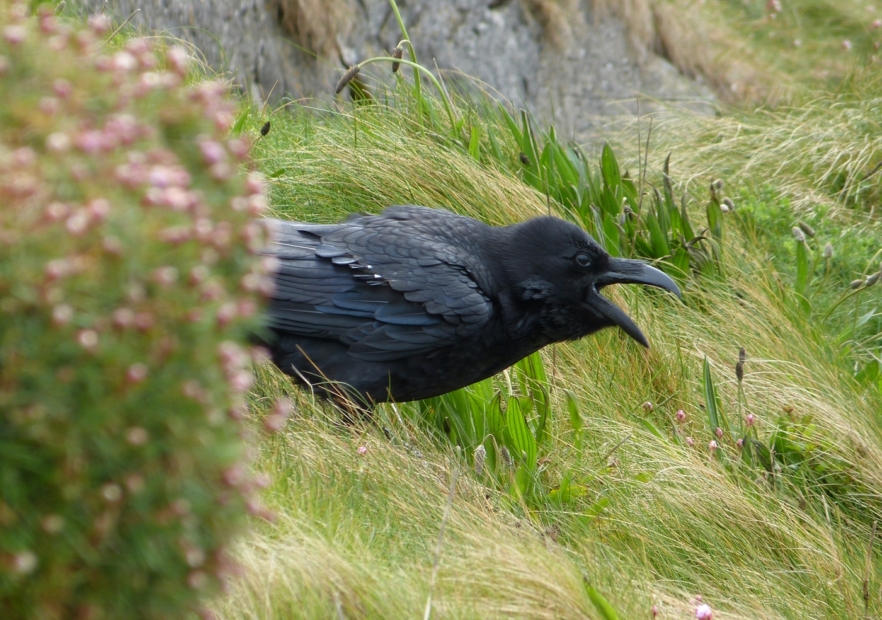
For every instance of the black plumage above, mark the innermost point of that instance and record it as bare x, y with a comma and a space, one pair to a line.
416, 302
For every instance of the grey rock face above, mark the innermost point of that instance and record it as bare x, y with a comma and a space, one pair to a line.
571, 72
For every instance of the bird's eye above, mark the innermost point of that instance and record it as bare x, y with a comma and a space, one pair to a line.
583, 260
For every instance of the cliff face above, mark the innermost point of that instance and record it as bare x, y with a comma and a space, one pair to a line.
554, 57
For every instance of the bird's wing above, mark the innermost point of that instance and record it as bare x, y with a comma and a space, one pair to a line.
388, 290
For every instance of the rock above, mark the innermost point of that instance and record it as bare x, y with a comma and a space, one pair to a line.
553, 57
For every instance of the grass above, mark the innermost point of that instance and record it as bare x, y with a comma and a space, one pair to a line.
624, 501
752, 52
621, 501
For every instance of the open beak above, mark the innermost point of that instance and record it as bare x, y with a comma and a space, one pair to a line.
626, 271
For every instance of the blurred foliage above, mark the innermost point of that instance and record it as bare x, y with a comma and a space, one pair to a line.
128, 278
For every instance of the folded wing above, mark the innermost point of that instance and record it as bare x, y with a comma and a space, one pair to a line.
382, 286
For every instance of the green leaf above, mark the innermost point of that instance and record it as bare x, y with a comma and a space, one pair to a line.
512, 124
688, 231
712, 400
660, 247
596, 508
521, 437
475, 143
652, 428
605, 610
611, 234
575, 418
240, 121
715, 219
609, 168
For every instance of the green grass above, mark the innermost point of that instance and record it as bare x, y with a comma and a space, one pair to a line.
619, 499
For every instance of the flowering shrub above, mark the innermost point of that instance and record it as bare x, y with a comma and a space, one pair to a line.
128, 274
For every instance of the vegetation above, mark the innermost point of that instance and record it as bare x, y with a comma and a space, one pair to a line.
629, 479
128, 285
736, 464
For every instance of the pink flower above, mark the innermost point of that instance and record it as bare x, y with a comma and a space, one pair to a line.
362, 450
719, 433
178, 58
62, 88
647, 406
712, 446
58, 142
846, 45
212, 152
136, 373
99, 23
15, 35
681, 416
704, 612
876, 24
749, 420
740, 443
61, 315
137, 436
88, 339
690, 442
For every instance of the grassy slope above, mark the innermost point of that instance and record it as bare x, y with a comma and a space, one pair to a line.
658, 522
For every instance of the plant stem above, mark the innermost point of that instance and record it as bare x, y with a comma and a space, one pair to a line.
416, 76
417, 68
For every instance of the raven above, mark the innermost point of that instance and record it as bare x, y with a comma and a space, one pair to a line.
416, 302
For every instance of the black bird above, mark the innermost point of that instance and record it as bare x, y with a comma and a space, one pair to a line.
416, 302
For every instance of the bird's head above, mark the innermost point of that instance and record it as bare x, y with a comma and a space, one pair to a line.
559, 266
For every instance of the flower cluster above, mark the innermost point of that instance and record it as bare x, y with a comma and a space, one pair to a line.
129, 252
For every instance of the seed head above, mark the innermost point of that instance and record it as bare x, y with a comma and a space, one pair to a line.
506, 457
739, 371
808, 230
872, 279
480, 455
350, 74
856, 284
742, 355
828, 251
798, 234
265, 128
728, 203
717, 184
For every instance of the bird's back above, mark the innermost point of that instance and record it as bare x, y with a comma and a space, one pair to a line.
384, 301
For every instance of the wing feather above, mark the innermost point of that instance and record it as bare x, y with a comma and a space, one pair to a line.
390, 286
